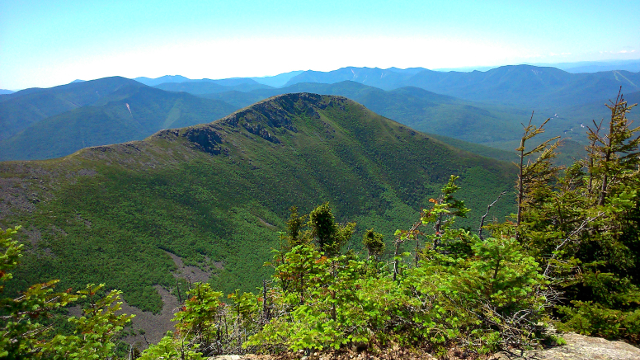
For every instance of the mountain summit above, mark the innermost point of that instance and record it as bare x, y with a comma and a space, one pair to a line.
214, 196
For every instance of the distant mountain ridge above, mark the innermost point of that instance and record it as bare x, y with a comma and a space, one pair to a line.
161, 80
415, 107
598, 66
529, 86
277, 80
481, 107
632, 65
132, 112
537, 88
206, 86
273, 81
386, 79
21, 109
108, 120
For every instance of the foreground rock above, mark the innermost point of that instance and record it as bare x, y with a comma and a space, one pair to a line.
581, 347
578, 347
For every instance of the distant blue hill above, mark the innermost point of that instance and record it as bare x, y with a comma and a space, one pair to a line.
21, 109
207, 86
386, 79
272, 81
179, 83
5, 92
178, 79
527, 86
131, 112
599, 66
277, 80
161, 80
570, 67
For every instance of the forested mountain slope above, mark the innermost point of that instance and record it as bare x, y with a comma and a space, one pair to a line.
21, 109
133, 112
216, 195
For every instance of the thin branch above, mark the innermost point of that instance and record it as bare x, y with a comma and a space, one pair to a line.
565, 241
487, 213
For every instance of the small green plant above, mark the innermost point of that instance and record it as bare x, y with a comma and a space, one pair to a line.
171, 347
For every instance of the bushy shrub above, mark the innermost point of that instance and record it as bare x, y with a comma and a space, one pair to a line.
25, 320
484, 296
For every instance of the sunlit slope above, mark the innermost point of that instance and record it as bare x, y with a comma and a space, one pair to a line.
417, 108
216, 195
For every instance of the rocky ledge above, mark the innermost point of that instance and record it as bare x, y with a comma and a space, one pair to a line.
578, 347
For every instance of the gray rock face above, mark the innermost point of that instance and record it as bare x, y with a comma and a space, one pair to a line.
580, 347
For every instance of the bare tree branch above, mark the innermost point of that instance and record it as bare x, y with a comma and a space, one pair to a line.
487, 213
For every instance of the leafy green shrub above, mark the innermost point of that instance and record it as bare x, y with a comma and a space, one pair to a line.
171, 348
492, 300
483, 296
207, 325
25, 321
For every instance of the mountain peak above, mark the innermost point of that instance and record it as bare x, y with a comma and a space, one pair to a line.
206, 191
268, 119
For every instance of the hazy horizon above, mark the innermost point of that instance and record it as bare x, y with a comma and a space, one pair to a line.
46, 44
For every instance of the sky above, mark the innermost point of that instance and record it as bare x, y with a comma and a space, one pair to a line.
53, 42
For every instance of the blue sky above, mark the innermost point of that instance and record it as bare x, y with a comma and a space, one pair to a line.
47, 43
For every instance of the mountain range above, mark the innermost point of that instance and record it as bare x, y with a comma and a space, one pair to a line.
177, 180
45, 123
415, 107
213, 86
135, 111
214, 196
549, 91
523, 86
272, 81
518, 85
598, 66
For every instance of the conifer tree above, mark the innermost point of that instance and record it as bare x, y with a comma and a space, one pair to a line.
329, 235
582, 225
374, 243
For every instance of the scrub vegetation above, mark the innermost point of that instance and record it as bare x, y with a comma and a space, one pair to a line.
341, 274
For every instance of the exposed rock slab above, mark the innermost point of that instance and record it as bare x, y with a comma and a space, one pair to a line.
581, 347
578, 347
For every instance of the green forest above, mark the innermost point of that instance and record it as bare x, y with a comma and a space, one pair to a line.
219, 193
568, 257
